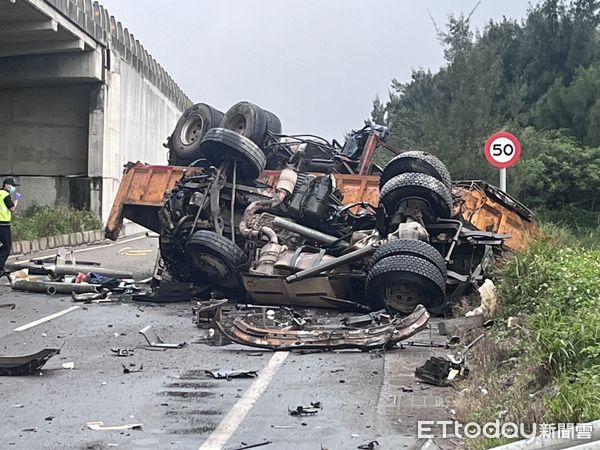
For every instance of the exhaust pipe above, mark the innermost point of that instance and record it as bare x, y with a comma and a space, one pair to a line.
340, 261
51, 288
307, 232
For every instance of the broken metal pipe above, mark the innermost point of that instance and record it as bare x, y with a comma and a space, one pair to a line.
307, 232
51, 288
340, 261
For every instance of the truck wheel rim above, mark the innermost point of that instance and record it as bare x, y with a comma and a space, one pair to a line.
238, 123
403, 297
211, 266
192, 129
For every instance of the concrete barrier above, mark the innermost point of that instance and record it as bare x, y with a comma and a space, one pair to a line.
70, 240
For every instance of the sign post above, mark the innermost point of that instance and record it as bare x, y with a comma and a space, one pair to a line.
502, 150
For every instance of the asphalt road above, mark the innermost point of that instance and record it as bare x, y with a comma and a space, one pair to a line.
364, 397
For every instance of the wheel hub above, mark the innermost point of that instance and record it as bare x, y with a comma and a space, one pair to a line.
212, 266
238, 123
192, 129
403, 298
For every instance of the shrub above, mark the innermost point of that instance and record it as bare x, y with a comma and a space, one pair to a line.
41, 221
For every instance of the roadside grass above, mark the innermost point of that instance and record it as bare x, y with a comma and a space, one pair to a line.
541, 364
42, 221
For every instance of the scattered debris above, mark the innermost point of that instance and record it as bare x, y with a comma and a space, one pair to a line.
305, 410
8, 306
99, 426
205, 312
169, 292
92, 297
230, 373
441, 371
26, 365
327, 339
155, 341
18, 275
58, 271
128, 370
369, 446
246, 446
68, 365
123, 352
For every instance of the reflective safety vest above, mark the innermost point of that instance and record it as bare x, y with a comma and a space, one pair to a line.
5, 213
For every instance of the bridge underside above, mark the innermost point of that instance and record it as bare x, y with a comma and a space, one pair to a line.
74, 109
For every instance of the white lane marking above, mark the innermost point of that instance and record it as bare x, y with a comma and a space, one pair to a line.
88, 249
230, 423
46, 319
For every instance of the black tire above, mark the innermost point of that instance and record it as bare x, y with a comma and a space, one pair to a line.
273, 123
411, 247
405, 272
220, 145
247, 119
417, 185
189, 131
417, 162
215, 261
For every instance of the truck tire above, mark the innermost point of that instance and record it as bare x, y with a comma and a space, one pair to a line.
399, 283
220, 145
417, 185
417, 162
409, 247
215, 261
189, 131
247, 119
273, 122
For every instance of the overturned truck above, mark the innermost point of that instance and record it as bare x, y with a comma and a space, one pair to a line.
250, 214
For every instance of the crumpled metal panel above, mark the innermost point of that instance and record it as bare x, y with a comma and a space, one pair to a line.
365, 339
26, 365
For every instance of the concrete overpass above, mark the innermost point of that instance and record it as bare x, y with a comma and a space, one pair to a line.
79, 97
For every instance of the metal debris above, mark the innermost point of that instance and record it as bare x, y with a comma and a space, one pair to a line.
132, 370
228, 374
99, 426
369, 446
91, 297
441, 371
7, 306
123, 352
246, 446
155, 341
26, 365
305, 410
381, 336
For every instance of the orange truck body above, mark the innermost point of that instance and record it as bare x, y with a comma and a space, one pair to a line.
143, 187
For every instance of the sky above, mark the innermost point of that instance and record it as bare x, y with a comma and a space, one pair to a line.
317, 64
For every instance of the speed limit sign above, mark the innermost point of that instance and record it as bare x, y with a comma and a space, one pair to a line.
502, 149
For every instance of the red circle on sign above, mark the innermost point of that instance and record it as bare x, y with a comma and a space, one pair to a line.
502, 149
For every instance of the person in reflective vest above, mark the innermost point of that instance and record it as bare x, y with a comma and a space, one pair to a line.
9, 197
